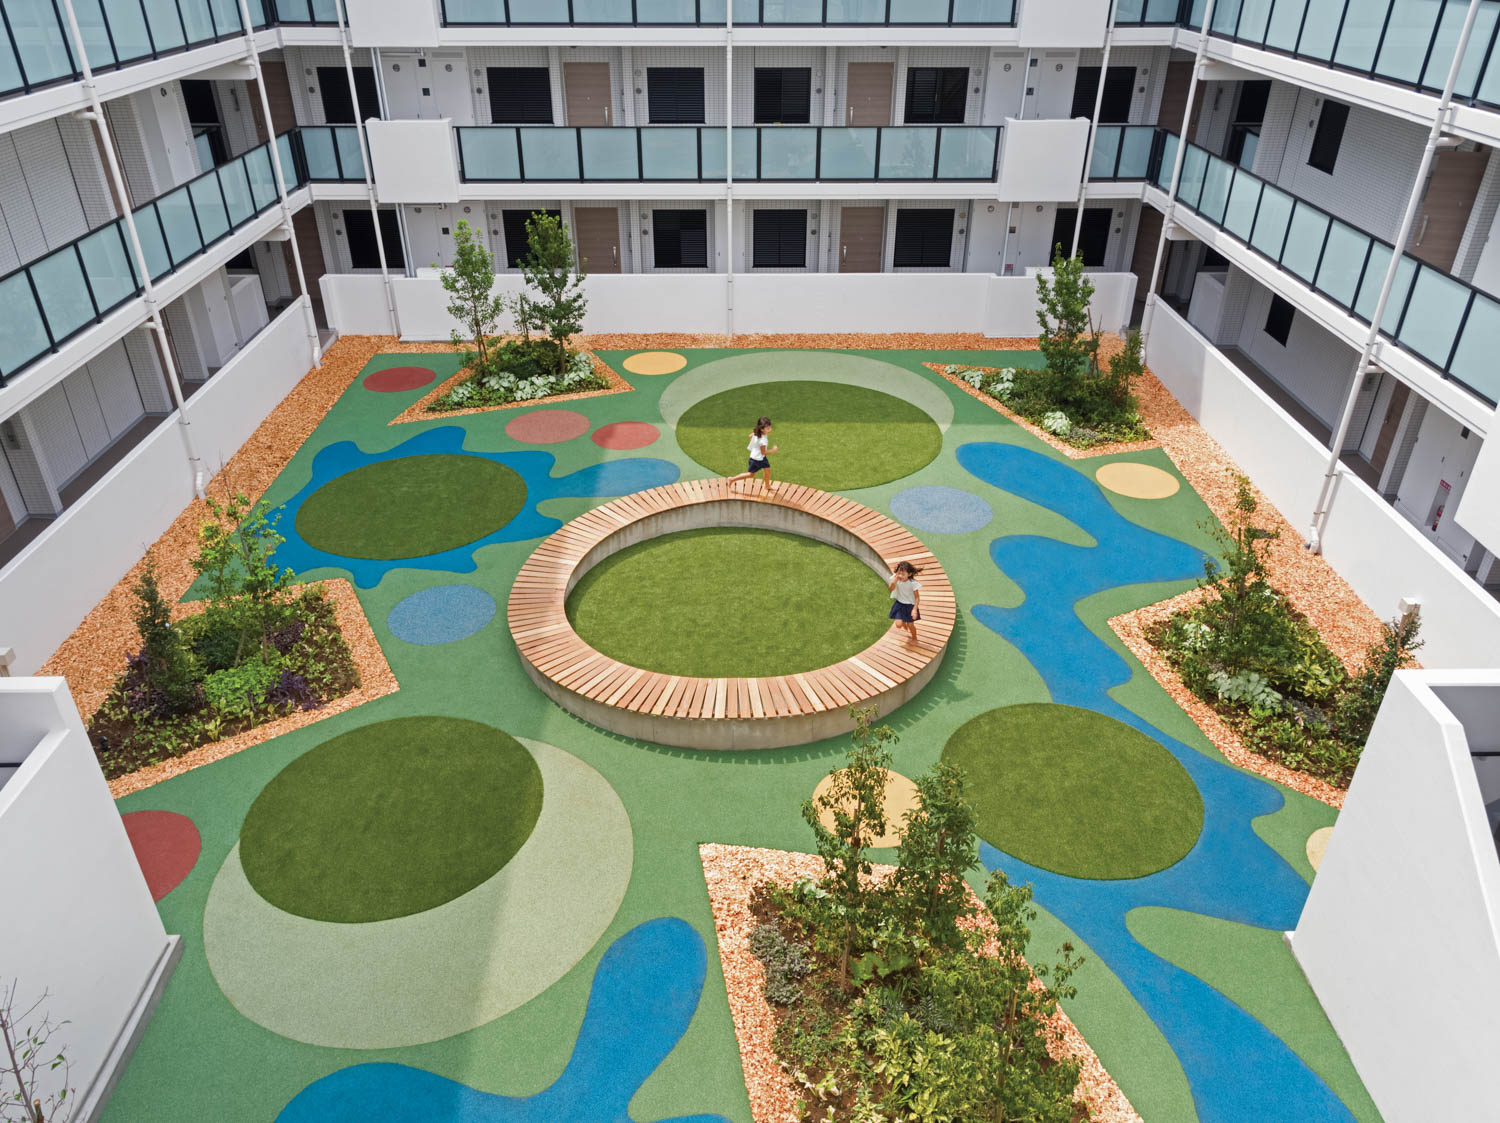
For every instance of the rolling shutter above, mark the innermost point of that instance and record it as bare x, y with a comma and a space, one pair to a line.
924, 238
936, 95
779, 239
680, 239
520, 95
783, 95
674, 95
516, 245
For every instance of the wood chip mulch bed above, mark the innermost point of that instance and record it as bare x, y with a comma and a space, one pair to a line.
419, 411
732, 874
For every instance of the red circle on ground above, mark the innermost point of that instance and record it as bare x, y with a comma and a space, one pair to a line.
626, 434
166, 845
547, 426
393, 380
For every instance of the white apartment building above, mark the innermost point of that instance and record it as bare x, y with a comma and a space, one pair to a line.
730, 170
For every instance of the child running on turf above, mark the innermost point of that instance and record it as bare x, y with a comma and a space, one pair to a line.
905, 591
760, 455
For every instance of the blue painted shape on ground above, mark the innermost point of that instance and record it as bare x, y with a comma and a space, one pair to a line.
645, 991
606, 480
441, 614
1237, 1069
941, 510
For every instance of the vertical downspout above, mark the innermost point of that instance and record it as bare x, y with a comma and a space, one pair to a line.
1010, 208
1088, 154
148, 290
729, 168
253, 51
1182, 146
1372, 339
364, 162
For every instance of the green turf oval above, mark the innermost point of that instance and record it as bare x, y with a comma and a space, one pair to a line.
411, 506
832, 436
390, 819
1076, 792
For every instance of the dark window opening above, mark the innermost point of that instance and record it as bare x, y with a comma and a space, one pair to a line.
1093, 239
674, 95
1279, 320
1251, 109
241, 262
780, 239
783, 95
680, 239
1328, 136
1119, 90
359, 231
520, 95
338, 106
516, 244
936, 95
204, 120
924, 238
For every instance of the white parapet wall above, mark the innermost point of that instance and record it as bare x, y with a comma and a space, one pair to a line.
50, 586
784, 302
1383, 557
1400, 935
80, 924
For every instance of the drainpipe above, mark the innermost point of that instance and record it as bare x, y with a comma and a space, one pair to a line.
1010, 208
729, 169
364, 163
95, 113
1088, 155
253, 53
1182, 144
1372, 339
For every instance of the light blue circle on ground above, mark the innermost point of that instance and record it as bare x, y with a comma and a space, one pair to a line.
441, 614
941, 510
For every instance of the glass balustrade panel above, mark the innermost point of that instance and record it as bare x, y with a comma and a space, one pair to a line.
288, 164
176, 213
23, 335
1285, 24
746, 165
549, 153
1433, 312
1215, 196
673, 153
127, 26
966, 152
1226, 15
208, 205
1471, 73
262, 178
1168, 159
474, 12
782, 12
226, 15
788, 153
856, 11
236, 186
1406, 39
713, 144
95, 38
196, 20
63, 293
1135, 153
1106, 151
907, 152
317, 147
1360, 35
1239, 215
1320, 27
153, 241
347, 138
610, 154
1343, 263
538, 11
489, 153
39, 39
666, 11
10, 69
1271, 222
108, 266
984, 11
919, 11
1474, 362
1304, 241
601, 11
324, 11
848, 153
1254, 15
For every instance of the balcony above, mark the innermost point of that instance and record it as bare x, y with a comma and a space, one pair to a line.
696, 154
49, 301
1445, 322
690, 13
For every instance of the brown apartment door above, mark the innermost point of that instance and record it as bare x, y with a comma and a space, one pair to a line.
279, 94
1388, 426
596, 232
1446, 205
1174, 95
1143, 259
861, 239
869, 93
586, 86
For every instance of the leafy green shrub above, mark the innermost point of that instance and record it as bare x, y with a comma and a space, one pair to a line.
1246, 689
785, 965
239, 691
520, 370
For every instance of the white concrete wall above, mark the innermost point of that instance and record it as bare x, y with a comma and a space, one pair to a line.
1400, 935
80, 923
1478, 510
1063, 23
1445, 454
48, 588
1373, 547
379, 23
1042, 160
781, 302
414, 161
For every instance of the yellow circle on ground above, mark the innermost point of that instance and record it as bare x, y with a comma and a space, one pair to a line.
1138, 481
1317, 845
900, 797
655, 362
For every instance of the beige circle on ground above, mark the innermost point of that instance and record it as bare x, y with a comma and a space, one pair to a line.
900, 797
1317, 845
655, 362
1137, 481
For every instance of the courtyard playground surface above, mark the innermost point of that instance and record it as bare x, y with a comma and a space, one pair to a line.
459, 903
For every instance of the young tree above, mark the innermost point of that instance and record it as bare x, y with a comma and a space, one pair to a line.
1125, 366
164, 664
235, 548
1067, 340
23, 1036
938, 847
855, 801
1242, 610
470, 283
547, 267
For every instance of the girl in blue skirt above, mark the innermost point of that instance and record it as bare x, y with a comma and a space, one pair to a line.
760, 450
906, 592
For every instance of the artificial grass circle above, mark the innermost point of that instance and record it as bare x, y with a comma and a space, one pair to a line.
411, 506
1076, 792
832, 436
390, 819
731, 602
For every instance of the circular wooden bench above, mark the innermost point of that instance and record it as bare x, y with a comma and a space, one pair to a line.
723, 713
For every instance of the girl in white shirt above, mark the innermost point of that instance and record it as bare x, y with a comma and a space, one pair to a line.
905, 591
760, 455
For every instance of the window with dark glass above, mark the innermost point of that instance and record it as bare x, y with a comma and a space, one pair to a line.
1093, 239
1279, 320
1249, 114
514, 225
680, 239
359, 232
338, 106
779, 239
1328, 136
1119, 90
520, 95
204, 120
936, 95
783, 95
674, 95
924, 237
